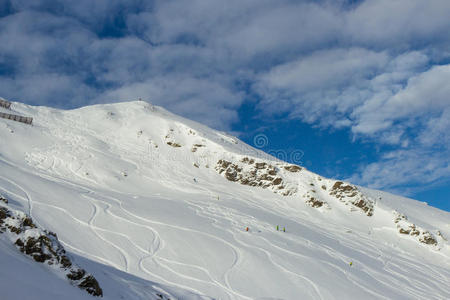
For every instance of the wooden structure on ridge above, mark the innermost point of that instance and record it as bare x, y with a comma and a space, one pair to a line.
17, 118
26, 120
5, 104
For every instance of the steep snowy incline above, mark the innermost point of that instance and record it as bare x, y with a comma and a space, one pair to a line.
155, 198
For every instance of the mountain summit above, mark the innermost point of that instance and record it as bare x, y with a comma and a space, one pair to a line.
156, 206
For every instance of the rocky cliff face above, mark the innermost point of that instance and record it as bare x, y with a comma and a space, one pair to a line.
350, 195
251, 172
406, 227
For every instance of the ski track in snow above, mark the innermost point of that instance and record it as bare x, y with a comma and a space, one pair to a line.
27, 197
315, 287
96, 230
151, 253
123, 265
268, 254
376, 267
376, 275
236, 251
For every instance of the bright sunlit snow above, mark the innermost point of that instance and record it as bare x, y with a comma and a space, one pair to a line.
138, 198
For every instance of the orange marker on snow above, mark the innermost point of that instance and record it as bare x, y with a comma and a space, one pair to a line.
246, 229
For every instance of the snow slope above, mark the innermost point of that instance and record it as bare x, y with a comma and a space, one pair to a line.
149, 202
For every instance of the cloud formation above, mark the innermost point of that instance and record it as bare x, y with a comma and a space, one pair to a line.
377, 68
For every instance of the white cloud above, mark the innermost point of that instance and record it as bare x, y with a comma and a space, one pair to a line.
323, 87
295, 26
399, 23
424, 95
436, 131
398, 101
60, 90
330, 69
405, 170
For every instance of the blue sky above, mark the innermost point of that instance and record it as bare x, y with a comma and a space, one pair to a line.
357, 90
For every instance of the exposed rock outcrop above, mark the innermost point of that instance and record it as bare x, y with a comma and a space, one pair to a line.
170, 140
293, 168
43, 246
173, 144
404, 226
313, 200
349, 194
196, 146
3, 199
252, 173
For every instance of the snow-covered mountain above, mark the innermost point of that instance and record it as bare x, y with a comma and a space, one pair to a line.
155, 206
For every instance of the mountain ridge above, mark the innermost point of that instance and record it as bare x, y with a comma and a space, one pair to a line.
138, 172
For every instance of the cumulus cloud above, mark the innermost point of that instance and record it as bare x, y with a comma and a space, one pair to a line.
396, 100
54, 89
426, 92
60, 57
409, 171
377, 68
419, 117
327, 83
399, 24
